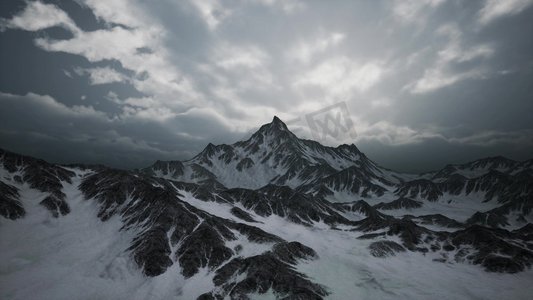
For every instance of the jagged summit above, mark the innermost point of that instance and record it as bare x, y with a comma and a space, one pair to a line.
349, 147
272, 155
276, 130
277, 121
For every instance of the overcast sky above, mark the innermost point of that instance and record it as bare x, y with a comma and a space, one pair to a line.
126, 82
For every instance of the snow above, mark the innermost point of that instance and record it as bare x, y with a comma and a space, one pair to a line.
350, 272
77, 256
248, 248
72, 257
346, 267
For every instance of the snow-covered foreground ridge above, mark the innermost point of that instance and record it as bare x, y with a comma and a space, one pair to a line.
272, 217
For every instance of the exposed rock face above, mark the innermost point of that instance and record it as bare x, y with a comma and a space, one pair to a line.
454, 184
410, 233
492, 183
400, 203
483, 165
42, 176
205, 247
245, 163
10, 206
435, 219
241, 214
488, 219
271, 270
420, 188
55, 205
199, 238
170, 169
374, 220
298, 207
497, 250
284, 202
385, 248
351, 180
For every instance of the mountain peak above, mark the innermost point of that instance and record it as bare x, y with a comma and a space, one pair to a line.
349, 147
274, 131
275, 127
277, 123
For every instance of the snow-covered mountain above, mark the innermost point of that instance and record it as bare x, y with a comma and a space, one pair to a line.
274, 155
271, 217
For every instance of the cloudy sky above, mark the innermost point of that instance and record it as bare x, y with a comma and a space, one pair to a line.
126, 82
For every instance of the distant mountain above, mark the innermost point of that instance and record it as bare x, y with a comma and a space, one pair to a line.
274, 216
274, 155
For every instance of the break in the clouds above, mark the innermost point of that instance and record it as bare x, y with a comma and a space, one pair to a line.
426, 82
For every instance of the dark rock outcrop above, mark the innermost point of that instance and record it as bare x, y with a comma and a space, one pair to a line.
400, 203
199, 238
241, 214
489, 218
419, 188
497, 250
43, 176
353, 180
10, 206
385, 248
171, 169
435, 219
55, 205
271, 270
245, 163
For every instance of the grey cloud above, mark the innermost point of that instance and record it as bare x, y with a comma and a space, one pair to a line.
417, 76
102, 75
494, 9
37, 16
80, 133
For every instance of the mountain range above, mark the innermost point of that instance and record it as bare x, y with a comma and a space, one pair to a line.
271, 217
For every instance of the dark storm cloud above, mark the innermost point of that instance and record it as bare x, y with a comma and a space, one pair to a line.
42, 126
426, 82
